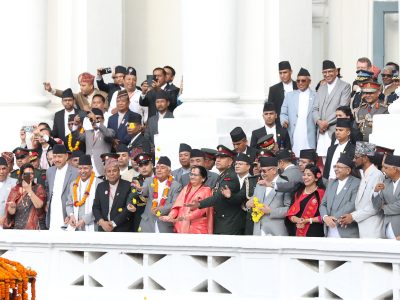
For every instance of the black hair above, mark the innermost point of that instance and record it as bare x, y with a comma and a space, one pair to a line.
101, 97
22, 169
347, 111
160, 69
47, 126
202, 170
393, 64
171, 68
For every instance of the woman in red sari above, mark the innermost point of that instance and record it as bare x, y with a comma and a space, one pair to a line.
185, 219
303, 215
25, 203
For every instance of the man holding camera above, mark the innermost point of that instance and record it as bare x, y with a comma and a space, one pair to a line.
112, 87
159, 83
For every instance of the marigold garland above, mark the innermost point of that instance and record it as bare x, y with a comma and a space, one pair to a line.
87, 191
77, 144
15, 276
164, 194
256, 212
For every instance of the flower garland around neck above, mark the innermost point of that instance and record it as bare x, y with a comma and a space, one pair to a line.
256, 212
87, 191
77, 144
15, 276
164, 194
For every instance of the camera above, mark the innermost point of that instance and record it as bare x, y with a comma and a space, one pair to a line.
105, 71
28, 128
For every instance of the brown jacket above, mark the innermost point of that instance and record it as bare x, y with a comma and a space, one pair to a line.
82, 100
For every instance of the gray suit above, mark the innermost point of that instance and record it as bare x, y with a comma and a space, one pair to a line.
289, 112
8, 184
293, 174
274, 223
336, 205
325, 105
179, 172
70, 176
391, 205
147, 224
88, 218
152, 126
98, 146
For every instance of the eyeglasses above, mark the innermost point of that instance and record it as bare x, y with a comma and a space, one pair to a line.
386, 75
195, 175
301, 80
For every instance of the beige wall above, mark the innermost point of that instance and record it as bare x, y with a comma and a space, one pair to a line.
153, 36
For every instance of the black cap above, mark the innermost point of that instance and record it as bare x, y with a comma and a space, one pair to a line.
59, 149
161, 94
268, 161
77, 153
303, 72
223, 151
85, 160
134, 118
284, 154
71, 117
209, 153
243, 157
130, 71
197, 153
120, 69
97, 112
269, 106
20, 152
142, 157
392, 160
164, 160
67, 94
106, 156
308, 154
284, 65
343, 122
346, 160
122, 148
3, 161
237, 134
328, 64
184, 148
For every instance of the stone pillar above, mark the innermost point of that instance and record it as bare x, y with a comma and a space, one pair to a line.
23, 61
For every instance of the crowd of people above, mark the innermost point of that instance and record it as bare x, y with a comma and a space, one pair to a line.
309, 171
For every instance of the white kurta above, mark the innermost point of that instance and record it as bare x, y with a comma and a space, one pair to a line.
89, 201
300, 140
161, 187
339, 149
56, 209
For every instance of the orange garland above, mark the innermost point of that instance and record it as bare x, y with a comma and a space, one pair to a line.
14, 276
85, 195
76, 147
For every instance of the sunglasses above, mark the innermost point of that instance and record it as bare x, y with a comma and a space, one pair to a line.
301, 80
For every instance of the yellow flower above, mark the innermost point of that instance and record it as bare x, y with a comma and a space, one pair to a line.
120, 209
157, 157
133, 190
158, 149
152, 185
134, 201
158, 213
139, 229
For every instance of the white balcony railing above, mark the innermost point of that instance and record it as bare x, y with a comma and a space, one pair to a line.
79, 265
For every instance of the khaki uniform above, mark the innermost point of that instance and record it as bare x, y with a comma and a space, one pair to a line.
364, 117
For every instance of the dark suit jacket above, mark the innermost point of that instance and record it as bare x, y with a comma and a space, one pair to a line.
121, 216
59, 125
276, 95
150, 100
229, 217
140, 142
349, 149
152, 126
281, 134
120, 131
